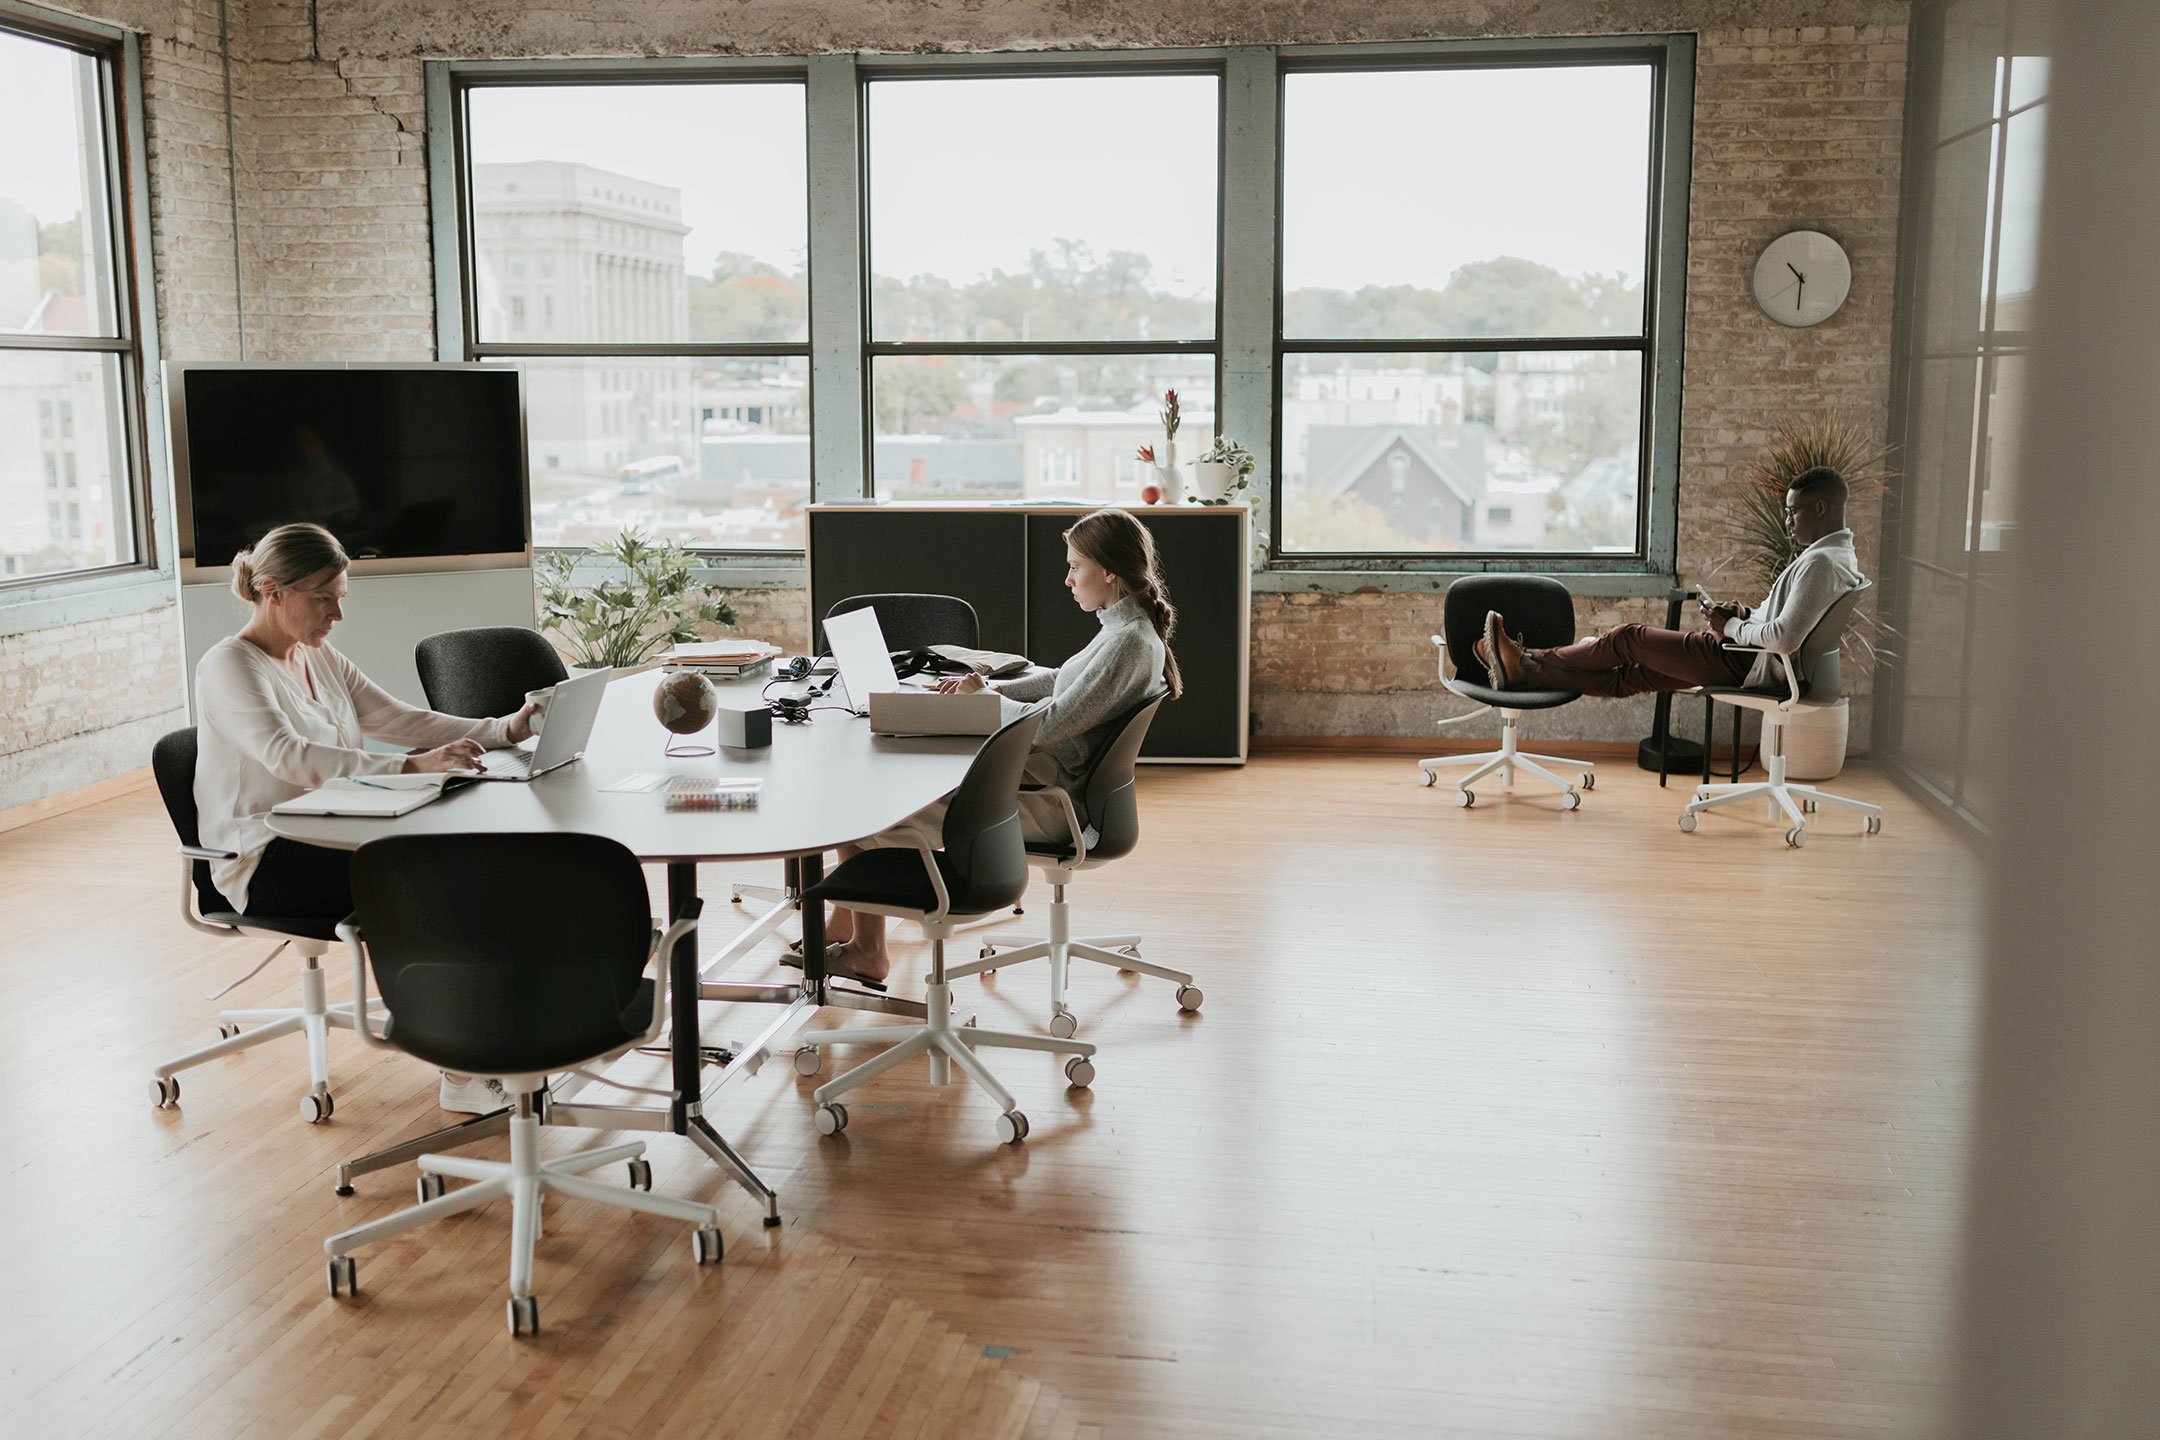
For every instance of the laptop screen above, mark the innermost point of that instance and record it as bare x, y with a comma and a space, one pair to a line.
858, 647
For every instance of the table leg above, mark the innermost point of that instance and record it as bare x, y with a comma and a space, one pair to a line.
809, 870
685, 1115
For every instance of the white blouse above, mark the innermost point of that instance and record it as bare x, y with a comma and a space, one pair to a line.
263, 738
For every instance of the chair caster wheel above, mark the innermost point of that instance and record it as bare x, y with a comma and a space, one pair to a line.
809, 1060
227, 1032
1572, 800
705, 1246
831, 1119
1188, 997
1796, 837
342, 1191
344, 1278
1807, 807
1687, 824
1064, 1024
1012, 1128
524, 1316
1466, 798
429, 1187
165, 1091
316, 1107
640, 1174
1588, 780
1874, 825
986, 953
1079, 1073
1428, 779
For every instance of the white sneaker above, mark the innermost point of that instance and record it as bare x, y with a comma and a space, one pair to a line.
473, 1095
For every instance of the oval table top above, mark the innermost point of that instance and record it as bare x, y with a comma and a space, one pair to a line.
827, 783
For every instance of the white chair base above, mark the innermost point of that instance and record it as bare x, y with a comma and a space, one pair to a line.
1061, 948
526, 1179
946, 1044
1507, 760
314, 1017
1784, 798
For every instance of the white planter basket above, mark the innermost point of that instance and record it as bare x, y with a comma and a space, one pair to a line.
1815, 742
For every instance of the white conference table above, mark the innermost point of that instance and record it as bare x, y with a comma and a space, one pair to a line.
826, 783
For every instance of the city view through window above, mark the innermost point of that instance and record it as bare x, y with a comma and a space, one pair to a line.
1043, 265
66, 492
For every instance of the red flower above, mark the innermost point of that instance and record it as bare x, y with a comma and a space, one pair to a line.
1147, 454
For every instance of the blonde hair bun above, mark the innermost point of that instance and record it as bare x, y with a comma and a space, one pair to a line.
286, 556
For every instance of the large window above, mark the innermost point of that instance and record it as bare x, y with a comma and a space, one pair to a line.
1464, 309
70, 367
1042, 268
1979, 110
641, 249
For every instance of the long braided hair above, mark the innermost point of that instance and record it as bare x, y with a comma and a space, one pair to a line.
1123, 547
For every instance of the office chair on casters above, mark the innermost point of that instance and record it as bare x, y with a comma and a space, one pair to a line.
484, 672
1812, 682
1105, 827
172, 761
513, 992
982, 868
1540, 610
909, 622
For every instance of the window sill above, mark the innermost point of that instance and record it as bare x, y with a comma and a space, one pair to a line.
72, 600
1592, 584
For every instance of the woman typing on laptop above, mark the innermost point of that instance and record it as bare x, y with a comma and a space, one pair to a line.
1111, 570
281, 713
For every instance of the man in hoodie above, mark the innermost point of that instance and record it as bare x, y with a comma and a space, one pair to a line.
1634, 659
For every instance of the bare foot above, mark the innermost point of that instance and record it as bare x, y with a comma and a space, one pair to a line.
839, 926
868, 961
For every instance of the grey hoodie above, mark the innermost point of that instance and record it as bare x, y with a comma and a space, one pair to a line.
1801, 595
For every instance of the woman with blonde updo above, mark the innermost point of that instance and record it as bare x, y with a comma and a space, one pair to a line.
280, 713
1112, 571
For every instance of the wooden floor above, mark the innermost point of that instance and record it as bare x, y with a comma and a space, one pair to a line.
1502, 1122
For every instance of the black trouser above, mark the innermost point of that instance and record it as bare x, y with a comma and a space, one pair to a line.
301, 882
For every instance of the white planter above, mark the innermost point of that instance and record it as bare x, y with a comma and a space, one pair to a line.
1212, 479
1815, 742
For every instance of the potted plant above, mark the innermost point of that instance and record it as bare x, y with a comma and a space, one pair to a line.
1763, 545
650, 601
1221, 475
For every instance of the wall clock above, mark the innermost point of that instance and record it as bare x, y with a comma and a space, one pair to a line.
1801, 278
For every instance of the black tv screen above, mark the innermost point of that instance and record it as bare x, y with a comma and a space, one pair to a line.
418, 464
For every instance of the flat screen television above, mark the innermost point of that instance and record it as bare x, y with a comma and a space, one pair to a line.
412, 467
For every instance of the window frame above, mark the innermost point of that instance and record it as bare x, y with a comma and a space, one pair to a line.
449, 85
32, 602
1650, 564
1006, 66
1248, 343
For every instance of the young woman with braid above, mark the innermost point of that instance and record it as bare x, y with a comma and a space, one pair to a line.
1112, 571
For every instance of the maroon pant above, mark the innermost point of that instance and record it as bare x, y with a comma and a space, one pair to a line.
1635, 660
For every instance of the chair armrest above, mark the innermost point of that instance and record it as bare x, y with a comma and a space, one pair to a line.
204, 852
920, 842
663, 946
1792, 685
1445, 660
350, 934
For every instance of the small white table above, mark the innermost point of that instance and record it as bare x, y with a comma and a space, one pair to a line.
827, 783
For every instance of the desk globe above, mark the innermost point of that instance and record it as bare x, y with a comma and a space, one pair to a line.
684, 703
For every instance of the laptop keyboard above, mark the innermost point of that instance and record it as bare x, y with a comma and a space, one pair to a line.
507, 762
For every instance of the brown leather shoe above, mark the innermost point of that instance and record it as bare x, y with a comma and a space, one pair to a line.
1503, 654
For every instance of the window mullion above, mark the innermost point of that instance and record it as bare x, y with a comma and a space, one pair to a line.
838, 281
1245, 409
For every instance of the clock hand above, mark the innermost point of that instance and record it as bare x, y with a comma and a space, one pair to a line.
1796, 272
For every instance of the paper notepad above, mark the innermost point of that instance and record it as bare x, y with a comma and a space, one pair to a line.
378, 796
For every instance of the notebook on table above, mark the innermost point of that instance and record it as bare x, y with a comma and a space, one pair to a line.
376, 797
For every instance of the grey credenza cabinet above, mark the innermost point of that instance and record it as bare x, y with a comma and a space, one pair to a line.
1008, 561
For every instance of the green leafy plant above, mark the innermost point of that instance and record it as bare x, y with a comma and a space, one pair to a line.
1763, 545
1225, 451
650, 601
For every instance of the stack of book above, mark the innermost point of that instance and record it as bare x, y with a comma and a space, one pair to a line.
723, 659
694, 792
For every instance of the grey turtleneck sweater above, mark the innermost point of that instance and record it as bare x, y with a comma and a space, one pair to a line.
1115, 671
1801, 595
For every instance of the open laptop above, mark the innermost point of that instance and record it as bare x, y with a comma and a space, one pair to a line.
874, 689
570, 716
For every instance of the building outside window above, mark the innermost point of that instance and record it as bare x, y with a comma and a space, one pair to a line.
1035, 288
1463, 344
70, 364
681, 289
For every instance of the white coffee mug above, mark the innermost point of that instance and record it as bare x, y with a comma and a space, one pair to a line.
541, 699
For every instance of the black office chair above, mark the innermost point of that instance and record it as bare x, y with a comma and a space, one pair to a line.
484, 672
512, 957
1813, 681
982, 868
915, 622
1540, 610
1105, 826
172, 762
